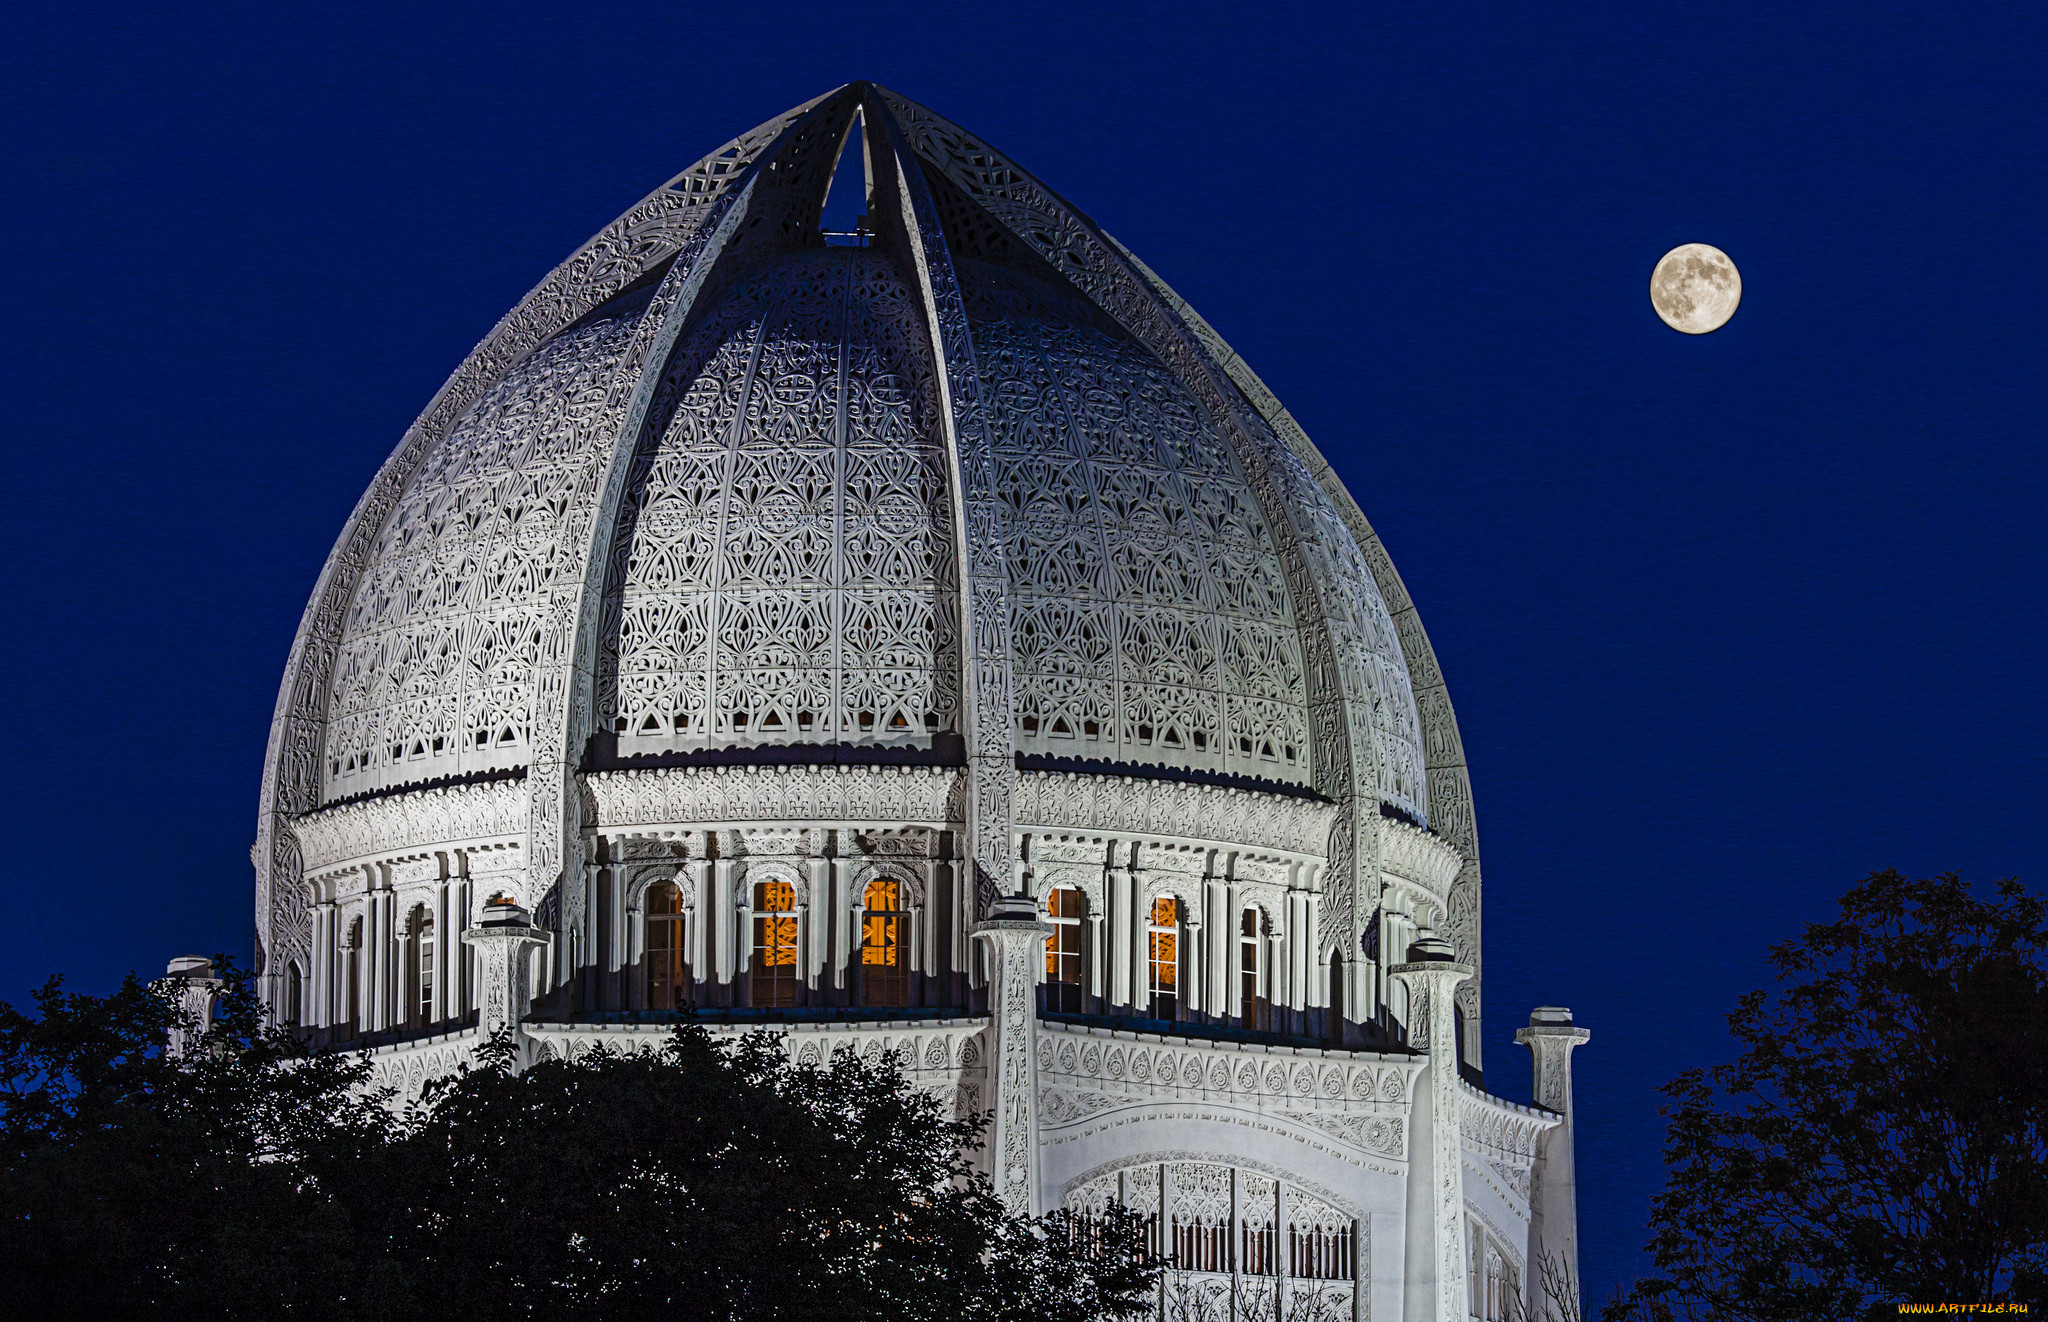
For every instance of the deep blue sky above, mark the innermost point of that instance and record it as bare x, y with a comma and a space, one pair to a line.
1729, 620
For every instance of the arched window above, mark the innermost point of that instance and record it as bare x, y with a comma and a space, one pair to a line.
1062, 990
292, 995
352, 981
1162, 947
774, 971
1252, 1007
419, 925
884, 958
668, 977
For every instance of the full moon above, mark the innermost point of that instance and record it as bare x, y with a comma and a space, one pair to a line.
1695, 288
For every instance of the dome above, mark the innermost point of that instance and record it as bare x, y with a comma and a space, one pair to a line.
781, 566
968, 487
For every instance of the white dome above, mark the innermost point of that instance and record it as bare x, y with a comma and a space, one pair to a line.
782, 566
720, 492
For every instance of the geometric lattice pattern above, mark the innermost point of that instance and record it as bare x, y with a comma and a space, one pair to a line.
1150, 619
1229, 1234
434, 676
784, 570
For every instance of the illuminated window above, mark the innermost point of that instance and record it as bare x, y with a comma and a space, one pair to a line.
1063, 952
1162, 941
774, 970
668, 977
1253, 1009
884, 962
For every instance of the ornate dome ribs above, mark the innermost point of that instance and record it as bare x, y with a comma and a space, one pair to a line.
783, 569
1149, 615
434, 674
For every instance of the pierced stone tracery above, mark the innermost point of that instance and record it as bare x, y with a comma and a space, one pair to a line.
434, 675
783, 571
1150, 616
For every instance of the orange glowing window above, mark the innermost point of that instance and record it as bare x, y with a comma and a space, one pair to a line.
774, 971
884, 962
1162, 941
1063, 951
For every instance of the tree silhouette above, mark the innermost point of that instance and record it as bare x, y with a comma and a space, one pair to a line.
250, 1178
1883, 1138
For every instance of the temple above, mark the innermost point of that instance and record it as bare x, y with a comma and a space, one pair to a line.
925, 635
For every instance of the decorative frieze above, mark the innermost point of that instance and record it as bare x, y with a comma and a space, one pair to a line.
1418, 857
1063, 800
883, 795
385, 828
1138, 1067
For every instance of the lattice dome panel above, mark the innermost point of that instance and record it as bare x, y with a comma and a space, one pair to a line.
784, 570
1149, 613
434, 676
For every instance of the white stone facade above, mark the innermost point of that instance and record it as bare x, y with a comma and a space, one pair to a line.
937, 642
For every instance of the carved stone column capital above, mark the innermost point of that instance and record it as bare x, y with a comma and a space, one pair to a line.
503, 940
1551, 1037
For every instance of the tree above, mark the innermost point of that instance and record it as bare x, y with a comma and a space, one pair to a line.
723, 1180
131, 1183
1883, 1137
252, 1178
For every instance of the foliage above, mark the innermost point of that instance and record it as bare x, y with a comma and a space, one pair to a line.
730, 1182
1883, 1137
132, 1181
253, 1179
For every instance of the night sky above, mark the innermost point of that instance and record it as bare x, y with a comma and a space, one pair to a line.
1730, 620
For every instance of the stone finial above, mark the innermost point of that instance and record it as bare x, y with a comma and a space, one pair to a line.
503, 939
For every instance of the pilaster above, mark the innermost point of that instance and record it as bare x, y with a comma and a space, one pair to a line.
1553, 1214
1434, 1270
1015, 939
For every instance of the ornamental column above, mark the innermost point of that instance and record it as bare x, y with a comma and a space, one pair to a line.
1552, 1279
189, 986
504, 941
1015, 938
1434, 1274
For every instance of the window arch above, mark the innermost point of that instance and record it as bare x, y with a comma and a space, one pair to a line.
1162, 957
1254, 1010
1062, 992
772, 975
884, 944
293, 995
419, 928
668, 984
